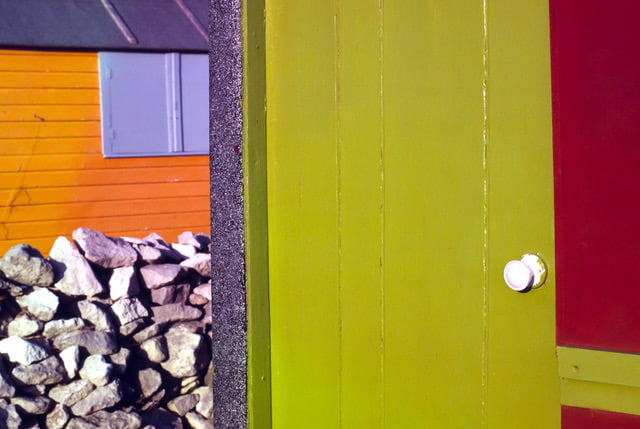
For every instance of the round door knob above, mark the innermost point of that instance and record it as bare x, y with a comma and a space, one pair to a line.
530, 272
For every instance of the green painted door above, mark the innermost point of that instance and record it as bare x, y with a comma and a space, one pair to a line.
408, 159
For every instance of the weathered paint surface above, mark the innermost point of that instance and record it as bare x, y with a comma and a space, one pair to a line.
53, 177
409, 158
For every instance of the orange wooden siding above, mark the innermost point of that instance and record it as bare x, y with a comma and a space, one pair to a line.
53, 177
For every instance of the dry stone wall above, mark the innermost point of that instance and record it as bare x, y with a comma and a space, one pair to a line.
107, 333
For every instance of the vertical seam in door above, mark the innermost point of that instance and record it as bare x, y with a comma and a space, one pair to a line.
336, 88
485, 211
382, 217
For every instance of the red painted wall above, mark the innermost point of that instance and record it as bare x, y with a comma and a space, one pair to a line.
582, 418
596, 120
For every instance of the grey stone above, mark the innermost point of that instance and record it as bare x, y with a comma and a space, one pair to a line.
182, 404
94, 314
196, 421
189, 384
203, 290
149, 381
153, 401
22, 351
9, 417
195, 299
160, 418
205, 403
48, 371
104, 251
148, 253
185, 249
158, 275
61, 326
71, 360
120, 360
76, 278
187, 354
96, 370
131, 327
123, 283
172, 294
95, 342
69, 394
200, 262
115, 420
32, 405
98, 399
155, 349
58, 417
24, 325
41, 303
175, 312
80, 423
128, 310
24, 264
7, 390
149, 332
190, 238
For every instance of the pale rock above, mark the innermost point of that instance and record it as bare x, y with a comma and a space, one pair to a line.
123, 283
95, 342
98, 399
9, 417
191, 239
148, 253
158, 275
94, 314
155, 239
69, 394
48, 371
153, 401
128, 310
182, 404
104, 251
156, 349
187, 354
58, 417
120, 360
114, 420
175, 313
205, 403
185, 250
24, 325
172, 294
149, 381
149, 332
7, 390
71, 360
22, 351
197, 299
188, 384
24, 264
96, 370
131, 327
80, 423
32, 405
76, 278
196, 421
203, 290
200, 262
60, 326
41, 303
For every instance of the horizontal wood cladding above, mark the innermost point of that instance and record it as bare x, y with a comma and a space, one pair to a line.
53, 176
55, 112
